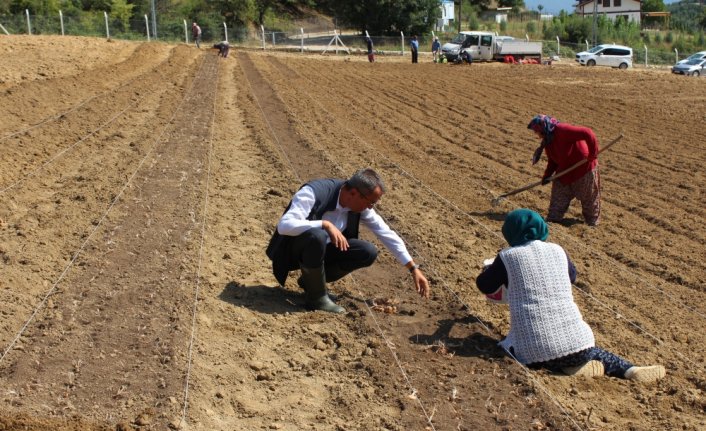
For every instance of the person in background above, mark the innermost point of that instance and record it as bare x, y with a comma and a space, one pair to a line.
318, 234
436, 49
466, 57
546, 326
371, 51
223, 48
196, 34
564, 146
414, 46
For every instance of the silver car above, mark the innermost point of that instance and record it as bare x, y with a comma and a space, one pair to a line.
694, 67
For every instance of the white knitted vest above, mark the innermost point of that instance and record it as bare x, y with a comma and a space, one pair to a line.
545, 323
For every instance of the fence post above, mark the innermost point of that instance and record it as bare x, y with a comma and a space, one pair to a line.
186, 33
558, 47
61, 19
677, 54
301, 30
29, 26
147, 28
262, 27
586, 40
526, 37
402, 35
107, 30
225, 30
273, 39
645, 55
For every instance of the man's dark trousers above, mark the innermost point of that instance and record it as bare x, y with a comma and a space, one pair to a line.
311, 251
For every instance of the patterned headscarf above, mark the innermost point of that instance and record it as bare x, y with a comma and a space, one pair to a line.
523, 225
545, 125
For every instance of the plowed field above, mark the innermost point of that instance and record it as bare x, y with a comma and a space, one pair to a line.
140, 183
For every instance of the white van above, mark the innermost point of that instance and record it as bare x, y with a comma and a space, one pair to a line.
606, 55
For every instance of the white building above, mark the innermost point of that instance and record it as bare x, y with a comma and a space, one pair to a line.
447, 14
612, 9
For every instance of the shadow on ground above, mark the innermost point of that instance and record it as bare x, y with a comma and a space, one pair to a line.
466, 342
261, 298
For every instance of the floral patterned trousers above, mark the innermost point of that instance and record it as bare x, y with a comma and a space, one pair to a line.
586, 190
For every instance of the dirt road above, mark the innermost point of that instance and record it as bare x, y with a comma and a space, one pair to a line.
141, 183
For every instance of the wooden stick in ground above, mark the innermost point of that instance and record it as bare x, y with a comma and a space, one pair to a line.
555, 176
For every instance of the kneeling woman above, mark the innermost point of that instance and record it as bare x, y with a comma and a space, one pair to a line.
546, 326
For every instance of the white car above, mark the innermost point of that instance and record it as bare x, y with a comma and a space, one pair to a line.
701, 55
606, 55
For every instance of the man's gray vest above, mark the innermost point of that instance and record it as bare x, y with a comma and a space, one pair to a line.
326, 194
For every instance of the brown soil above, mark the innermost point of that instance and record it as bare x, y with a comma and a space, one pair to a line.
140, 184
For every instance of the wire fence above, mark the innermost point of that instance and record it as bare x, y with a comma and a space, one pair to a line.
311, 35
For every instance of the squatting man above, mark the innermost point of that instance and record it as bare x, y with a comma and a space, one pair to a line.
318, 234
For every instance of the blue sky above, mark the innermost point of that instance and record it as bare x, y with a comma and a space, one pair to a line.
554, 6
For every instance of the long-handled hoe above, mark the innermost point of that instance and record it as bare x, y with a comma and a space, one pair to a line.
497, 200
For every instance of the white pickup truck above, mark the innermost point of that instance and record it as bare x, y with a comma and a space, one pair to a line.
487, 46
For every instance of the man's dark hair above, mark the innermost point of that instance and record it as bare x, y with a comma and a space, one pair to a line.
365, 181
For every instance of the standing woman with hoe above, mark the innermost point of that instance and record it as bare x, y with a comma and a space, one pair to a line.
565, 145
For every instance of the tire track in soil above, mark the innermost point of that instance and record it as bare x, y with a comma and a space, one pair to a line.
122, 315
478, 370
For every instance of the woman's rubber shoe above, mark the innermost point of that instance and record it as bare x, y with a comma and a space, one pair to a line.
648, 374
589, 369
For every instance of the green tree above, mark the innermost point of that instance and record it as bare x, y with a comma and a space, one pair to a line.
96, 5
261, 8
516, 5
653, 6
387, 16
35, 7
122, 11
235, 12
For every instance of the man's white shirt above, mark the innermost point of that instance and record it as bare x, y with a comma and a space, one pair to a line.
294, 222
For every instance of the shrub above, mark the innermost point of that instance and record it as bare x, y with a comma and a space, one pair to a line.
669, 38
531, 27
473, 22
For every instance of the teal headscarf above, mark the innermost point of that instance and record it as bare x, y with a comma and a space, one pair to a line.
523, 225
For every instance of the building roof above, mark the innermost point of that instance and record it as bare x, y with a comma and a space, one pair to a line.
585, 2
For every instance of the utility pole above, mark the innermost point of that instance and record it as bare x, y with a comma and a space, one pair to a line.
458, 24
154, 18
595, 21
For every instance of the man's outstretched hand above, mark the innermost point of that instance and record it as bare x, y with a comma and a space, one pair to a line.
421, 283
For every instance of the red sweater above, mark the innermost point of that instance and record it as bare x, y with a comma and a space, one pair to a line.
570, 145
